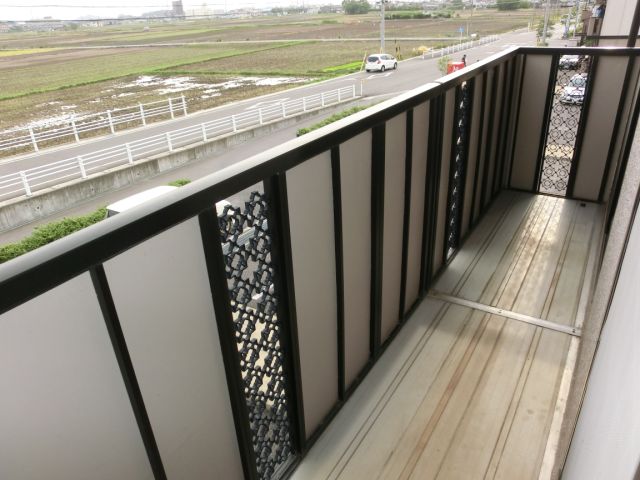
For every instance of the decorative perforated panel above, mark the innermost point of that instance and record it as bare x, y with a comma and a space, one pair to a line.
458, 165
250, 275
567, 104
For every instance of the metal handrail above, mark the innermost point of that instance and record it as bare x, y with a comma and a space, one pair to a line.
459, 47
96, 121
82, 166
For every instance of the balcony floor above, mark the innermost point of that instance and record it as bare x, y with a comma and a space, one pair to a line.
463, 393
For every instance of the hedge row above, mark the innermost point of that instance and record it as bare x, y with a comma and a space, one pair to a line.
44, 234
331, 119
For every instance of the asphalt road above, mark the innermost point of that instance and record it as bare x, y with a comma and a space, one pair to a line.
375, 86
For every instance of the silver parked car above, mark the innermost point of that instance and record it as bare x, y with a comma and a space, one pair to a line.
380, 62
573, 92
569, 62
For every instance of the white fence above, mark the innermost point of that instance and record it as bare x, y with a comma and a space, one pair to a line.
459, 47
76, 127
26, 182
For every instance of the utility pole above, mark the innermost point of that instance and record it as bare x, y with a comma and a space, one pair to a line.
546, 22
382, 2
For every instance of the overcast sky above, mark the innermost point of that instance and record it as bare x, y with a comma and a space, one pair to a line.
71, 9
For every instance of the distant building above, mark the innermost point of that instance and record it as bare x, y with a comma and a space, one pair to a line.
5, 27
178, 9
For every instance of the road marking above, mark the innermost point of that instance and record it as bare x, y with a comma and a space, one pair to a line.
267, 104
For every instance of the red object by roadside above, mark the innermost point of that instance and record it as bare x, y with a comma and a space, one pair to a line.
453, 66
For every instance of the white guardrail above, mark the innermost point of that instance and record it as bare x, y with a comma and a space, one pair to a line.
33, 137
27, 181
459, 47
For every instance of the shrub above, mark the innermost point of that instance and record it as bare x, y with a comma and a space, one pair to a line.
331, 119
442, 64
49, 232
179, 183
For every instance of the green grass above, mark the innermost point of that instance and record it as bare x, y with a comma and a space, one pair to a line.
58, 73
344, 68
331, 119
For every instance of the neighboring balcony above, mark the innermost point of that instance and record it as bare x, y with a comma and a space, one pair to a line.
401, 294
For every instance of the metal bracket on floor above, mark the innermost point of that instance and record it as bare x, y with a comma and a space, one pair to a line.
539, 322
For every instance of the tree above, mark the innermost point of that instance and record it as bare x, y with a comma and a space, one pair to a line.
508, 4
356, 7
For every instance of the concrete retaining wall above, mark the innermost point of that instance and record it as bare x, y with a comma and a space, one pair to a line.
23, 210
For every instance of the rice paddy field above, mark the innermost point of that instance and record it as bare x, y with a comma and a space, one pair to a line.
47, 77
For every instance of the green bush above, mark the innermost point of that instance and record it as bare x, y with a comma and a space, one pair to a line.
49, 232
179, 183
331, 119
442, 64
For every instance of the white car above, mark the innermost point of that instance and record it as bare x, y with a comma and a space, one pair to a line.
569, 62
380, 62
573, 92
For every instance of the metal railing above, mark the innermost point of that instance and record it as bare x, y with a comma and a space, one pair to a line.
80, 126
459, 47
275, 325
27, 181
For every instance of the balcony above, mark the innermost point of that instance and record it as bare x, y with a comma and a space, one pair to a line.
406, 293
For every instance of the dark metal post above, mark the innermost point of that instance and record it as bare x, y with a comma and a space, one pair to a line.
278, 217
112, 322
407, 212
214, 257
377, 234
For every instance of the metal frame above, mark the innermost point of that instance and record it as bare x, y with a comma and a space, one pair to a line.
339, 252
517, 118
112, 322
275, 188
377, 234
481, 136
39, 271
214, 258
406, 215
582, 124
546, 119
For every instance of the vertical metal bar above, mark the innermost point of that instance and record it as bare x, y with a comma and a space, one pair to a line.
33, 139
129, 153
339, 99
517, 116
168, 136
322, 98
278, 220
25, 183
75, 129
184, 106
233, 123
214, 258
204, 132
584, 115
119, 343
377, 234
497, 171
284, 112
544, 131
337, 228
353, 91
171, 108
304, 104
83, 172
407, 212
507, 120
434, 162
616, 127
260, 121
481, 136
144, 120
635, 25
110, 121
488, 151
